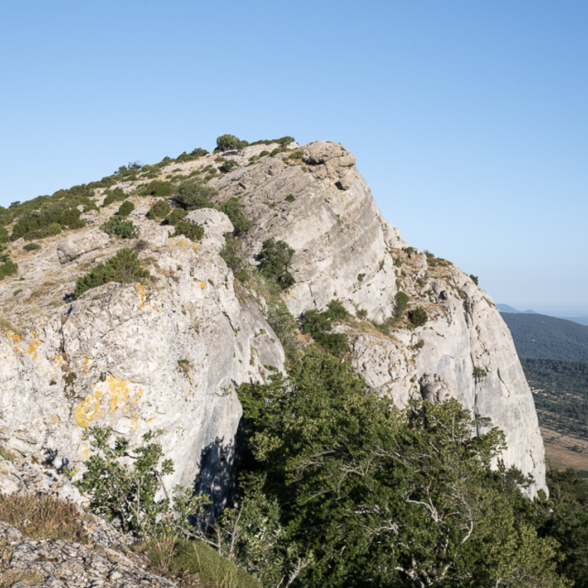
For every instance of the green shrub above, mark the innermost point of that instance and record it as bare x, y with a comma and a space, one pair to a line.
230, 143
8, 268
194, 195
124, 267
228, 165
17, 292
295, 155
32, 247
156, 188
479, 373
4, 238
418, 317
474, 279
116, 226
126, 208
290, 198
175, 216
274, 260
54, 229
190, 230
360, 277
233, 256
232, 208
116, 195
159, 210
318, 324
401, 300
285, 141
263, 153
276, 151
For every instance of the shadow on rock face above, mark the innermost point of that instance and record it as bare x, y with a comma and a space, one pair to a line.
217, 475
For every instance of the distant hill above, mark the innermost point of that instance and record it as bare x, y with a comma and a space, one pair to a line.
546, 337
582, 320
507, 308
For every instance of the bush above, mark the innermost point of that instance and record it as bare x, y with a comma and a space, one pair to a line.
194, 195
233, 256
263, 153
418, 317
228, 165
295, 155
318, 324
190, 230
4, 238
285, 141
474, 279
54, 229
276, 151
175, 216
156, 188
274, 260
229, 143
290, 198
159, 210
8, 268
126, 208
32, 247
118, 227
124, 267
232, 208
116, 195
401, 300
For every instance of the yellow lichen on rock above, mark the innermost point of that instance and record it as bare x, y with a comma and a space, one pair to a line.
111, 399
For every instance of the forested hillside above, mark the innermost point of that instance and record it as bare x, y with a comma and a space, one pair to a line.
561, 393
546, 337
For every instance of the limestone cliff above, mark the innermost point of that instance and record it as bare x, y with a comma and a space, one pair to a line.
169, 355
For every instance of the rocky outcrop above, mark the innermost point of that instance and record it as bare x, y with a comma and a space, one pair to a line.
170, 354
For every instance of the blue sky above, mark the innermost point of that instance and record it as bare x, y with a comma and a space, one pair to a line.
469, 120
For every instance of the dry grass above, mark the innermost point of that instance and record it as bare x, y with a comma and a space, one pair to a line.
6, 325
26, 578
43, 517
559, 451
193, 564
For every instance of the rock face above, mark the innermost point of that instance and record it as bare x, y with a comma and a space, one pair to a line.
169, 355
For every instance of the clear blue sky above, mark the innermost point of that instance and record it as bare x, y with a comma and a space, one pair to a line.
468, 119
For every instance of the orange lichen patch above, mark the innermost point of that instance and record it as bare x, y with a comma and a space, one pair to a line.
14, 337
58, 358
33, 348
110, 399
86, 366
142, 296
85, 453
202, 285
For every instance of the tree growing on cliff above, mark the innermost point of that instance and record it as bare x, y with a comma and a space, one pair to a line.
382, 496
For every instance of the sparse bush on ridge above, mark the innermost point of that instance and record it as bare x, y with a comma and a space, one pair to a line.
188, 229
116, 195
117, 226
230, 143
126, 208
418, 317
159, 210
124, 267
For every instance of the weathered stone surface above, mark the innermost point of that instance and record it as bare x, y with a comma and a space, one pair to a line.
79, 243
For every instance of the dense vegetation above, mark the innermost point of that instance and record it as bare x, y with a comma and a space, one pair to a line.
562, 398
546, 337
340, 488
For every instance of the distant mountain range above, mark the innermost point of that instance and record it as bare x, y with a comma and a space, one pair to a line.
547, 337
582, 320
